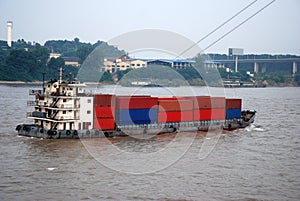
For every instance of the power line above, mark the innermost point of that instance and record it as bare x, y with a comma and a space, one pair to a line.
238, 26
217, 28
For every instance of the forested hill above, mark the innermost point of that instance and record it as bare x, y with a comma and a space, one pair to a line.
27, 61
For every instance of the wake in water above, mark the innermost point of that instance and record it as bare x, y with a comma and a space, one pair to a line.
254, 127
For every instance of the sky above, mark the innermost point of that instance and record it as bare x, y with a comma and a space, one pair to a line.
275, 30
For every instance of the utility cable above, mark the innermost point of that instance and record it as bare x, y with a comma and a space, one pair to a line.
238, 26
217, 28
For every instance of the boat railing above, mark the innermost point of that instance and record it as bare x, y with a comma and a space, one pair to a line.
36, 114
31, 103
35, 91
68, 106
67, 118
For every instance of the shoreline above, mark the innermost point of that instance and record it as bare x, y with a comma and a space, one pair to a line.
19, 83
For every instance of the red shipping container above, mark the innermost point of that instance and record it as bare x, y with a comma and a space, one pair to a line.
166, 117
175, 105
136, 102
209, 114
218, 102
104, 111
104, 100
233, 103
200, 102
207, 102
171, 98
104, 123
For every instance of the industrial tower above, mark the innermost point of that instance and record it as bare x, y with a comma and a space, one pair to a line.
9, 33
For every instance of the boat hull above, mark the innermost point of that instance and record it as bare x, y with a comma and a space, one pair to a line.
31, 130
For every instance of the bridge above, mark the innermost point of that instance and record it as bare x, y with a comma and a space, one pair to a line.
257, 62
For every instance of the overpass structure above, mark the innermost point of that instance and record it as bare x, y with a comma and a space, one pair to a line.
257, 62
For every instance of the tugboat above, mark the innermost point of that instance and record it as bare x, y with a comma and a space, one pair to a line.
63, 109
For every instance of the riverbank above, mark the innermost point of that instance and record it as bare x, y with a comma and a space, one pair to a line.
38, 83
20, 83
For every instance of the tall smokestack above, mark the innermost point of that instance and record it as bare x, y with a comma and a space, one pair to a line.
9, 32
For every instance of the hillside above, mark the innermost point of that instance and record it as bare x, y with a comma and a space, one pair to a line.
27, 61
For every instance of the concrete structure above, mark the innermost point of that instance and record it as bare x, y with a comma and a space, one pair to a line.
54, 55
9, 33
257, 62
177, 63
212, 64
123, 65
72, 61
235, 52
137, 63
256, 70
109, 65
295, 68
113, 65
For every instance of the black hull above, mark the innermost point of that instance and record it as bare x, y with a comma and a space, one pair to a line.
31, 130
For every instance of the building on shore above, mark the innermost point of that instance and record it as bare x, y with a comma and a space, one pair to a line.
113, 65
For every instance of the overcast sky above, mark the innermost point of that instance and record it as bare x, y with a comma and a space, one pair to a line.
276, 30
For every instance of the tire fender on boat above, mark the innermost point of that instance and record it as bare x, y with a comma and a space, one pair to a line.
18, 127
68, 132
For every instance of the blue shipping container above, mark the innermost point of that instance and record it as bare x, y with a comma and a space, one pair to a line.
137, 115
122, 123
233, 113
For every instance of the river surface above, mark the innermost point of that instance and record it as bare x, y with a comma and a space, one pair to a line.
261, 162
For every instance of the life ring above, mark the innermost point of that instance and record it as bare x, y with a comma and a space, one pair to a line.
68, 132
62, 106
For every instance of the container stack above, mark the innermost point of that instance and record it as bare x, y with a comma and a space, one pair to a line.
104, 111
136, 110
208, 108
175, 110
233, 108
111, 110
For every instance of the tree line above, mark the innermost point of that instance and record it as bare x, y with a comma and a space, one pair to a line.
27, 61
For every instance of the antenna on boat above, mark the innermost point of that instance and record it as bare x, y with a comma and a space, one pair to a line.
60, 75
43, 82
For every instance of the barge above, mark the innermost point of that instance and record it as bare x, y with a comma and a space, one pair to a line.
62, 109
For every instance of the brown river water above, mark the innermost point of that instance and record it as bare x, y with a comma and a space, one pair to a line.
261, 162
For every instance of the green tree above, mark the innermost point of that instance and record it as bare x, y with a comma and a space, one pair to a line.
23, 64
84, 51
297, 78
